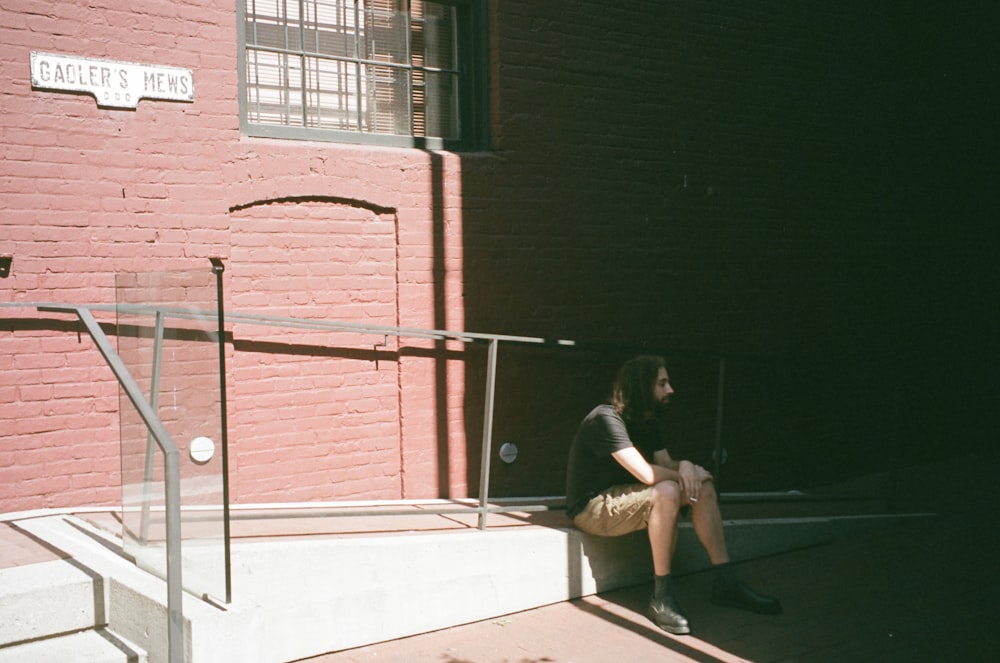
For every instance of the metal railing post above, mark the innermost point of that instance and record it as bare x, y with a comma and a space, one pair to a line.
893, 478
175, 595
484, 463
219, 268
717, 455
154, 402
172, 490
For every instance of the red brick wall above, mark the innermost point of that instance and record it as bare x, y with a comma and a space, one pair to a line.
780, 180
707, 176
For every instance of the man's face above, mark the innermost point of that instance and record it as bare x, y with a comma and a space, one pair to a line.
662, 389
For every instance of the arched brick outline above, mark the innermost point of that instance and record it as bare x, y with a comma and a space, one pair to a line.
315, 415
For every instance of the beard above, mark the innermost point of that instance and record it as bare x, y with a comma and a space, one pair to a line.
660, 407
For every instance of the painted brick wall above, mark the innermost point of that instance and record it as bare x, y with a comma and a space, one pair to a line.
689, 177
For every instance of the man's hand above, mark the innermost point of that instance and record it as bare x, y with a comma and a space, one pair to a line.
689, 479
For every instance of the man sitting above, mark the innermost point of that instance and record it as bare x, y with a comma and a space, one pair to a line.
622, 479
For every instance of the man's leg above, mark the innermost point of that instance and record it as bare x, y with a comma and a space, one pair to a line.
667, 500
727, 588
707, 521
665, 504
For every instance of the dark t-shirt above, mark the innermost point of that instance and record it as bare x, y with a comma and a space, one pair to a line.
592, 469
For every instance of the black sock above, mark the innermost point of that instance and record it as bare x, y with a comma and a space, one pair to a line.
725, 575
662, 587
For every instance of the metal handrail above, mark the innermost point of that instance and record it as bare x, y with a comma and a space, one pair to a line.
492, 340
171, 471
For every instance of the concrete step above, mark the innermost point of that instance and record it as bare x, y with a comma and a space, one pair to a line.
92, 646
130, 606
47, 599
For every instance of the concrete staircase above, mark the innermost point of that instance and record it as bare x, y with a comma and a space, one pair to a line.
55, 611
97, 645
300, 596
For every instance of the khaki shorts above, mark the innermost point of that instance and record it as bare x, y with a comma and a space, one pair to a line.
618, 510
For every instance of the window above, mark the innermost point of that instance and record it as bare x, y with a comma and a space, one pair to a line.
393, 72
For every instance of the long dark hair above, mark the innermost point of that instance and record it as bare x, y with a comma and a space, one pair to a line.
632, 392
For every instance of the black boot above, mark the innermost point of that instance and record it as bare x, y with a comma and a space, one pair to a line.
728, 590
663, 608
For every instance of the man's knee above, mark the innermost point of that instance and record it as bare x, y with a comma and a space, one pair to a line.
708, 492
667, 495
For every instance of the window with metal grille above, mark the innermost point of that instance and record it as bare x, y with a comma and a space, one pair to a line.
396, 72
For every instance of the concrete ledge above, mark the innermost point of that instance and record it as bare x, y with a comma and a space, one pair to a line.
297, 599
346, 592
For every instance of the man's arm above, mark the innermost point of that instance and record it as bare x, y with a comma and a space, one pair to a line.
645, 472
689, 475
662, 458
